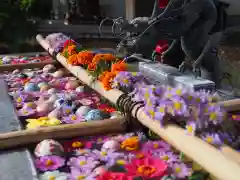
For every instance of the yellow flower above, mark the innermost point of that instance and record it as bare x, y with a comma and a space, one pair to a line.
35, 123
41, 122
43, 119
53, 122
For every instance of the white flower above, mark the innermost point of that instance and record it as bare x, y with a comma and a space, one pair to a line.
53, 175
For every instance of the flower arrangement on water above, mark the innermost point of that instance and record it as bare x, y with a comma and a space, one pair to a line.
98, 163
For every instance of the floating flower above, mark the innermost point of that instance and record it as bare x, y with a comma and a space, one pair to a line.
82, 152
42, 121
20, 99
73, 145
137, 155
35, 123
130, 144
51, 163
30, 105
180, 170
107, 156
99, 139
53, 175
86, 101
147, 168
106, 108
76, 174
72, 118
113, 175
26, 112
67, 110
168, 157
151, 146
83, 163
53, 122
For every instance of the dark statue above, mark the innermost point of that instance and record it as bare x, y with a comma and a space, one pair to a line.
193, 28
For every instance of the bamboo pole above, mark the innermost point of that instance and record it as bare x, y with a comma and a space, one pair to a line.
204, 154
25, 137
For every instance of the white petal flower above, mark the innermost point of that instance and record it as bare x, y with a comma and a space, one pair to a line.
53, 175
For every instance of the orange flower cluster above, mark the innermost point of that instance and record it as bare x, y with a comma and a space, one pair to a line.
106, 79
119, 66
131, 144
82, 58
91, 62
106, 57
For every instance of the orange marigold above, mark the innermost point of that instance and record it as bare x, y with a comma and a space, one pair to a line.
71, 50
105, 57
73, 59
119, 66
130, 144
101, 76
108, 79
91, 67
85, 57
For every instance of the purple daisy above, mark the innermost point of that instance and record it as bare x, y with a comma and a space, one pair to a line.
83, 163
180, 170
76, 174
180, 108
66, 110
46, 163
106, 156
122, 137
216, 114
191, 128
72, 119
99, 139
26, 112
212, 138
123, 79
168, 157
21, 98
161, 111
151, 146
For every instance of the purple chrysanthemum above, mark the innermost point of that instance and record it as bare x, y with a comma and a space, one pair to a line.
51, 163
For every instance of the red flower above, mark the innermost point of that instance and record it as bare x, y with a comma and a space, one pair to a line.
141, 155
68, 43
114, 176
73, 145
147, 168
106, 108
